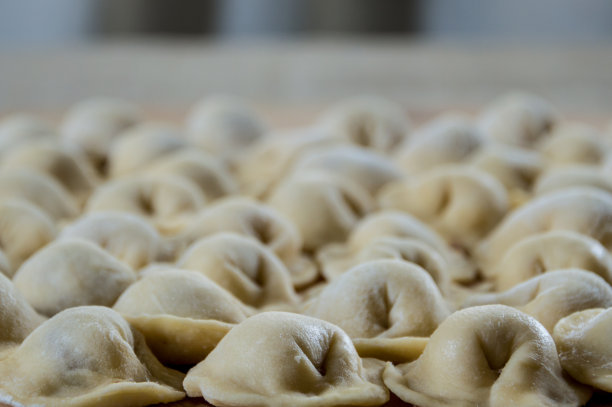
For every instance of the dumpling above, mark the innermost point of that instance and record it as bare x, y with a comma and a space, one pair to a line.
17, 317
323, 207
68, 273
128, 237
583, 210
168, 201
518, 119
364, 167
182, 314
273, 157
18, 129
449, 139
280, 359
400, 225
86, 357
250, 218
91, 125
491, 356
583, 343
223, 126
383, 305
38, 189
367, 121
574, 176
461, 203
243, 266
552, 295
204, 170
554, 250
68, 168
573, 143
23, 230
140, 145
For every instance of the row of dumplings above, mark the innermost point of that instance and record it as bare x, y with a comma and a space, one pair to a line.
464, 262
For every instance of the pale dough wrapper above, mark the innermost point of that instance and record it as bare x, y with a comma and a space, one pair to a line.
68, 168
324, 207
461, 203
490, 356
281, 359
273, 157
23, 230
128, 237
382, 300
364, 167
367, 121
573, 143
573, 176
554, 250
585, 351
40, 190
243, 266
399, 225
446, 140
168, 201
251, 218
140, 145
182, 314
68, 273
86, 357
552, 295
518, 119
223, 126
91, 125
585, 210
17, 318
204, 170
22, 128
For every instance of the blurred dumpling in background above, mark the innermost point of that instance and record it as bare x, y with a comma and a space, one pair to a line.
573, 143
19, 129
572, 176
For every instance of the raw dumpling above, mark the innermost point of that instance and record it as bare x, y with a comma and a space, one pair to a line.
202, 169
575, 143
17, 317
518, 119
40, 190
91, 125
323, 207
243, 266
493, 356
361, 166
554, 250
86, 357
223, 126
461, 203
449, 139
273, 157
182, 314
367, 121
383, 302
278, 359
68, 273
574, 176
553, 295
22, 128
583, 210
585, 351
141, 145
128, 237
400, 225
23, 230
68, 168
251, 218
169, 201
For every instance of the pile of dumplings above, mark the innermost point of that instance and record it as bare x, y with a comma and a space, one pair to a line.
464, 261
